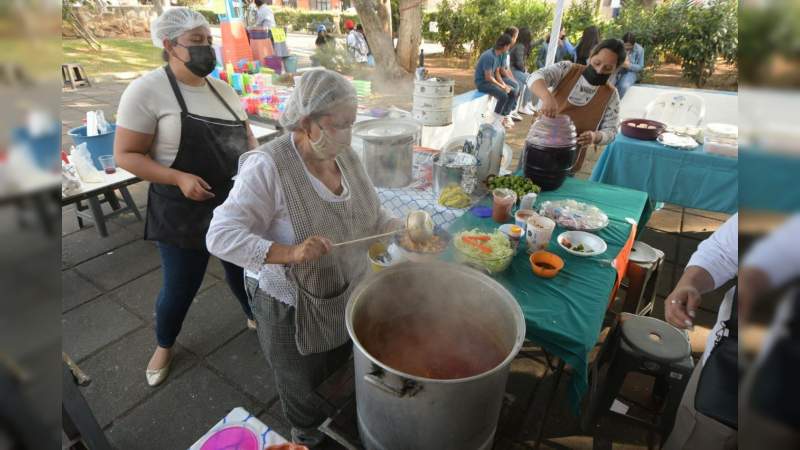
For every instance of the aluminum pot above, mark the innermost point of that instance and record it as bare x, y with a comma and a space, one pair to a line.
449, 168
398, 410
388, 150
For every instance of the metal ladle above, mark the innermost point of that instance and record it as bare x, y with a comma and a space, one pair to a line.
418, 224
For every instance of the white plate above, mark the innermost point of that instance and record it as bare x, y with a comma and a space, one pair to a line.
677, 141
588, 240
642, 253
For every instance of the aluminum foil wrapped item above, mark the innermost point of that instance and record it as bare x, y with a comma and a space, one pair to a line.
575, 215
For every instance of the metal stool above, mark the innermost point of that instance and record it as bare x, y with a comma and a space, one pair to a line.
641, 280
74, 76
648, 346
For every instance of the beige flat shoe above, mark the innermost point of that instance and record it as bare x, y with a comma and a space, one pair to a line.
251, 324
157, 376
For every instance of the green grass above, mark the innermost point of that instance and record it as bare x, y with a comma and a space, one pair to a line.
116, 56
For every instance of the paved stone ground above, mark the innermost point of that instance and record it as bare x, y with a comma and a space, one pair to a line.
109, 288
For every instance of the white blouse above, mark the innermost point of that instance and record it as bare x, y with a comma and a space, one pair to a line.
255, 215
580, 95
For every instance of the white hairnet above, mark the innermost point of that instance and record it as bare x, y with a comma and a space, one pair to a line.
319, 91
173, 23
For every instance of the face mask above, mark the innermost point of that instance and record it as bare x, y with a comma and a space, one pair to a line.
202, 59
327, 146
594, 78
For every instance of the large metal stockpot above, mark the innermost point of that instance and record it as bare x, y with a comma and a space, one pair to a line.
401, 411
388, 150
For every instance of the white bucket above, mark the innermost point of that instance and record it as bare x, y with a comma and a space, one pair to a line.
433, 102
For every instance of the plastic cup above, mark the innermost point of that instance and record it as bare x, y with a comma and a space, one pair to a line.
108, 164
538, 232
504, 200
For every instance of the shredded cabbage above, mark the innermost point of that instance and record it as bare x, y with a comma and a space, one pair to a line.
496, 260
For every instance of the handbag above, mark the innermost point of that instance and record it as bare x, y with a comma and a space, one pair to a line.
717, 393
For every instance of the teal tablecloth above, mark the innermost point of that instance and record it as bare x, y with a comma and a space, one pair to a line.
564, 314
768, 181
689, 178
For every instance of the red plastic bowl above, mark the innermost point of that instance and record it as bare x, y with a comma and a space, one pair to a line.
633, 129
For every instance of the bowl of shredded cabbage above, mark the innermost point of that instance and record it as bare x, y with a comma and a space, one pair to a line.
490, 251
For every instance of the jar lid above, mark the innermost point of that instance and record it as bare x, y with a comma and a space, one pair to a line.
556, 131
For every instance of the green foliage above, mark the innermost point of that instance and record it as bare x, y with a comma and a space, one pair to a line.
579, 16
210, 16
486, 19
451, 21
334, 57
303, 20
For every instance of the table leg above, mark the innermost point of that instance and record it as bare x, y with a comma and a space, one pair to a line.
99, 218
77, 417
553, 391
111, 198
126, 196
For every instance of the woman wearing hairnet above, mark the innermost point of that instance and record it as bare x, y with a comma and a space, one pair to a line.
292, 199
182, 132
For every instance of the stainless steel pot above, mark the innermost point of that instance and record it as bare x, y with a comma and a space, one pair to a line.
401, 411
388, 150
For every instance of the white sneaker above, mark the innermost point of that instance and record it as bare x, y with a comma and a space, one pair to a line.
508, 122
515, 116
527, 110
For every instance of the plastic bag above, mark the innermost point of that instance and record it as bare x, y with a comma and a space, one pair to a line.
102, 125
70, 181
82, 160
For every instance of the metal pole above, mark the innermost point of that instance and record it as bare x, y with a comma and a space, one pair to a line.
551, 48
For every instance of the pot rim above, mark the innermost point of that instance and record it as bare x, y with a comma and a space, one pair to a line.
375, 277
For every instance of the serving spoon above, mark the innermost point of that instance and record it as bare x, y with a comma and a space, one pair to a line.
419, 225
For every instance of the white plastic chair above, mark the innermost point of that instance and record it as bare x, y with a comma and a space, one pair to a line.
677, 109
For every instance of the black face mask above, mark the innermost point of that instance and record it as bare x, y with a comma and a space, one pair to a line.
594, 78
202, 59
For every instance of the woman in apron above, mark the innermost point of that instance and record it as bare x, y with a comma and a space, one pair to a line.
182, 132
260, 39
584, 94
292, 199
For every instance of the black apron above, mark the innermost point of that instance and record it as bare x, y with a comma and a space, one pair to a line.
210, 149
717, 393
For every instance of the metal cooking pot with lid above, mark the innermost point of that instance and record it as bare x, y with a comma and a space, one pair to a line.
432, 346
388, 150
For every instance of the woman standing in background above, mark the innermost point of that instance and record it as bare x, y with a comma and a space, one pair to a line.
590, 38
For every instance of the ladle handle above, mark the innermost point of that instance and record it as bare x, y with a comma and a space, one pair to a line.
368, 238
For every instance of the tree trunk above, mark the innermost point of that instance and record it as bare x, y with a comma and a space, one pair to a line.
373, 17
409, 35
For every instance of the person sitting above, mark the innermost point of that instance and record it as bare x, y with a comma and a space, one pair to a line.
487, 81
631, 70
504, 71
356, 44
584, 94
568, 47
590, 38
519, 67
541, 57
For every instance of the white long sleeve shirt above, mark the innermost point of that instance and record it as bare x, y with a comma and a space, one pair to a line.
719, 256
255, 215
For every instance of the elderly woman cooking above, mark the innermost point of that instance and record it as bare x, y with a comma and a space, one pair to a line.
183, 132
293, 198
584, 94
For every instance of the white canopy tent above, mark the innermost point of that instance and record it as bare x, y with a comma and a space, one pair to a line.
554, 32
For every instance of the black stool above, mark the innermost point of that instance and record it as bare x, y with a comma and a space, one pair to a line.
648, 346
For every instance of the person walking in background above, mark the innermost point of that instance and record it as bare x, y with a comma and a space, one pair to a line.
519, 67
356, 44
260, 41
504, 71
487, 80
631, 70
370, 58
590, 38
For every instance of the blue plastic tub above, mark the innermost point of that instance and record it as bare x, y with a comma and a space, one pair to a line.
97, 145
45, 150
290, 64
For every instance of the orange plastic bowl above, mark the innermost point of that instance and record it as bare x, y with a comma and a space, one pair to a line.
546, 264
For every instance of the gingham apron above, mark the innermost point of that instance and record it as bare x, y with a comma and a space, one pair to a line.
324, 286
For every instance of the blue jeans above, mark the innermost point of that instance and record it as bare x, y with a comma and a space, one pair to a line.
522, 81
505, 102
624, 82
183, 271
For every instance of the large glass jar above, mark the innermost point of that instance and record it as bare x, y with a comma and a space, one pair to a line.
550, 151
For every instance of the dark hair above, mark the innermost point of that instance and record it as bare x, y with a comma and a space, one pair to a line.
589, 38
511, 31
524, 38
320, 38
359, 27
165, 53
613, 45
629, 38
503, 41
259, 2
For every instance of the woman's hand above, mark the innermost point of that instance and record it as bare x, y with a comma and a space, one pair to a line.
193, 187
680, 306
311, 249
586, 138
549, 106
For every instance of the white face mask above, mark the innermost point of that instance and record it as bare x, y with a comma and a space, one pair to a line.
329, 146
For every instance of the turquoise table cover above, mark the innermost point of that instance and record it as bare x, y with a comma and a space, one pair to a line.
564, 314
768, 181
689, 178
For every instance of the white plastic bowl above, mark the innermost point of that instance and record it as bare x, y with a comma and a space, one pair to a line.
588, 240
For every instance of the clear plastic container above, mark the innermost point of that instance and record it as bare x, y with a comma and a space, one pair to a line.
557, 131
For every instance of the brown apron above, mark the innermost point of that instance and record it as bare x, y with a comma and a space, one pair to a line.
586, 117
